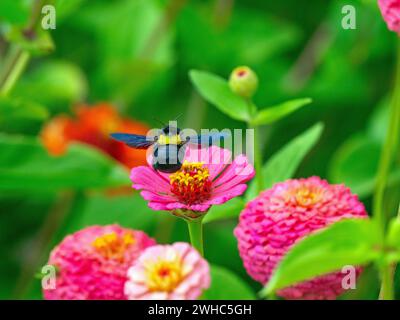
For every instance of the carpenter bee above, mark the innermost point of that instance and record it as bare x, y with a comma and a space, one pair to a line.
168, 145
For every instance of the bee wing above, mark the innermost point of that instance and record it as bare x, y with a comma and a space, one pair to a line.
207, 139
133, 140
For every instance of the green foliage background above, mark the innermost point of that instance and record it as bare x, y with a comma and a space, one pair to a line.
137, 54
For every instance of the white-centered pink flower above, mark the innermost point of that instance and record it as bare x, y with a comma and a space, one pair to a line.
168, 272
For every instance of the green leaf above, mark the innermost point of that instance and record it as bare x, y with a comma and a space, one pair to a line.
36, 43
348, 242
13, 108
283, 164
26, 165
275, 113
359, 176
63, 82
227, 285
230, 209
378, 122
216, 90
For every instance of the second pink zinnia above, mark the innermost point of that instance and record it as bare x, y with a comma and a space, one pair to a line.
279, 217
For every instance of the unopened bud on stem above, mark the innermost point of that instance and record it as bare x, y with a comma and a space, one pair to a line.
243, 81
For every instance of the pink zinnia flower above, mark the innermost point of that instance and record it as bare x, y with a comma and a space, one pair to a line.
92, 263
168, 272
390, 10
270, 224
207, 177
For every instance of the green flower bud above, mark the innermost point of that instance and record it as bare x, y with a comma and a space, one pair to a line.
243, 81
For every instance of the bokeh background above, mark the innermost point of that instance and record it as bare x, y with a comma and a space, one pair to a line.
135, 55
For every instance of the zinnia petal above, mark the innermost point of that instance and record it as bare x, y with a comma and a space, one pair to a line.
154, 197
214, 158
238, 172
222, 197
148, 179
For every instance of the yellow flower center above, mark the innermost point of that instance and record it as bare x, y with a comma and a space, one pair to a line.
112, 245
164, 275
305, 196
191, 183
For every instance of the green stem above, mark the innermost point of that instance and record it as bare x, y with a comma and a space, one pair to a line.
258, 159
385, 162
387, 289
257, 147
398, 212
387, 151
384, 291
196, 233
19, 59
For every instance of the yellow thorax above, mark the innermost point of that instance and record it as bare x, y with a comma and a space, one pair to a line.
175, 139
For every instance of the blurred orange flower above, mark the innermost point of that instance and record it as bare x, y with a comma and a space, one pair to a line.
92, 125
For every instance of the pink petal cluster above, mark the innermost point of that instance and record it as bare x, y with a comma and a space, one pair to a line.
168, 272
92, 263
225, 180
390, 10
270, 224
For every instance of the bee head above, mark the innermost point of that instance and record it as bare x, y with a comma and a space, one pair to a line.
171, 130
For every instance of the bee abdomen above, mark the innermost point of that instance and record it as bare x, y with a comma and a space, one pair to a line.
167, 158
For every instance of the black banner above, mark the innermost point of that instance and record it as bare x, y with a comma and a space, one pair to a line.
198, 309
